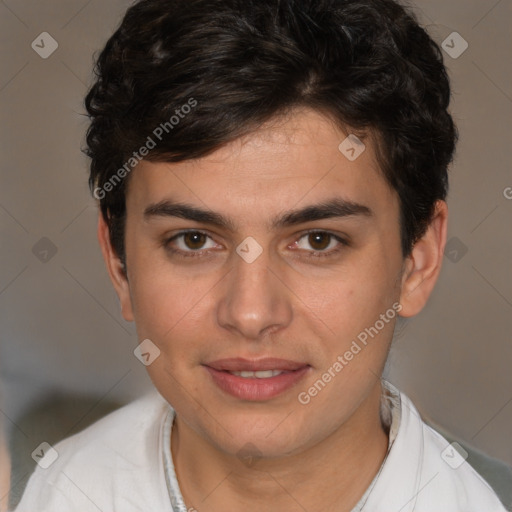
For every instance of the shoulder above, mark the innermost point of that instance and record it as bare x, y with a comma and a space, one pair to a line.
114, 459
111, 434
446, 468
495, 472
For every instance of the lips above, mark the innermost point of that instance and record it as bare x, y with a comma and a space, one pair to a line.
256, 380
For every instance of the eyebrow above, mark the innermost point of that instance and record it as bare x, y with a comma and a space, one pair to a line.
333, 208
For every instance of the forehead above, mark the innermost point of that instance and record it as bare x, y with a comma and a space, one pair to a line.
291, 160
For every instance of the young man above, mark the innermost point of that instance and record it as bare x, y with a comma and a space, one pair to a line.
271, 176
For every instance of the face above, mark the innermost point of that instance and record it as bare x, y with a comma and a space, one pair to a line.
299, 256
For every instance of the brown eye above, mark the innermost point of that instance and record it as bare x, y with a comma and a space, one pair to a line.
319, 241
194, 239
189, 243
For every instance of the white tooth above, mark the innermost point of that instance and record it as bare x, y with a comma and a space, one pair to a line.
262, 374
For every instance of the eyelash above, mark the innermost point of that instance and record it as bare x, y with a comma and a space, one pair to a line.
204, 253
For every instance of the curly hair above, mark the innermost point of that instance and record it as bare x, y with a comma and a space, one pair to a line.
365, 63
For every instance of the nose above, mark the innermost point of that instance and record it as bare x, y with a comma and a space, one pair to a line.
254, 300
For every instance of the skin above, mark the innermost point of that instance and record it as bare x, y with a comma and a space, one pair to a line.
321, 456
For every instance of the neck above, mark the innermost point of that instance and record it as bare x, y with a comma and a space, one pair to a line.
331, 475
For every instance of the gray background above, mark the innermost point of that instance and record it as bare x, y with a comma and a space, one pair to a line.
60, 324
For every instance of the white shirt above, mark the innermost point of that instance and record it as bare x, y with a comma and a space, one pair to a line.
123, 463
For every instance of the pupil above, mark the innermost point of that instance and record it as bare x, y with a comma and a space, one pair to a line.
315, 239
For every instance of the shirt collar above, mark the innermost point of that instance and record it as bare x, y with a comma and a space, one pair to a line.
397, 485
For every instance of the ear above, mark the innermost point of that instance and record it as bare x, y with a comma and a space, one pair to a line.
115, 270
422, 266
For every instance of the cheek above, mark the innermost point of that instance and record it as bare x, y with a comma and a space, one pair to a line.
350, 299
172, 307
347, 322
170, 320
157, 304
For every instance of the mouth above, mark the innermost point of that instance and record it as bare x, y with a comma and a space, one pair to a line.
256, 380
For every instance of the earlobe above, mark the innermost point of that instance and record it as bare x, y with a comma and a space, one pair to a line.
423, 265
115, 269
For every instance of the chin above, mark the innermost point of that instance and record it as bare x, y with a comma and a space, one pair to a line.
267, 436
